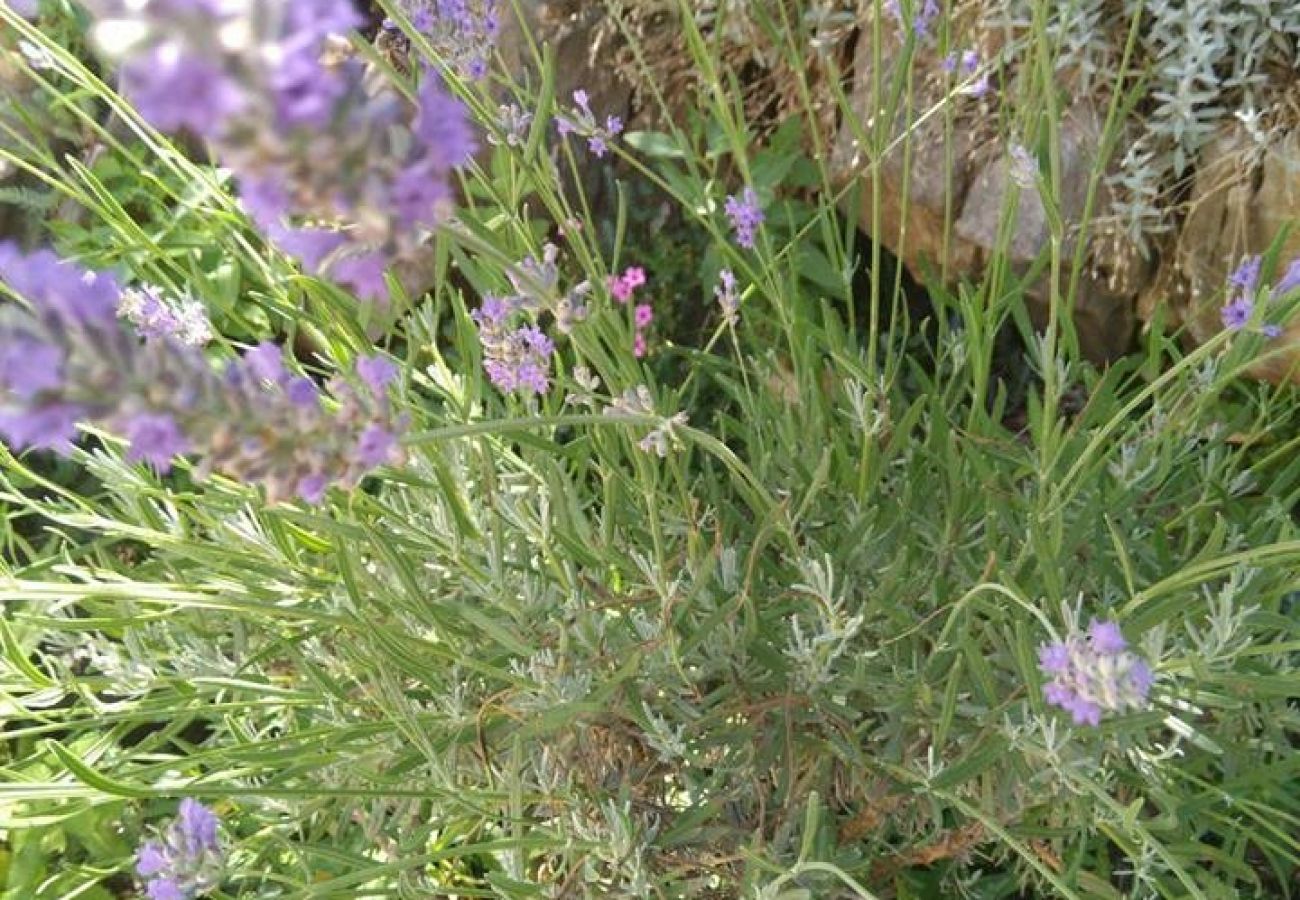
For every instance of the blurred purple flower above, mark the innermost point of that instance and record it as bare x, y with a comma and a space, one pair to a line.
249, 419
1289, 281
1245, 277
154, 438
292, 115
175, 90
377, 372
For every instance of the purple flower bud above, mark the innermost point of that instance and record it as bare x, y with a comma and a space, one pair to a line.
745, 215
312, 489
375, 446
197, 826
164, 889
188, 859
377, 372
302, 392
154, 438
1246, 276
266, 361
1236, 313
1106, 637
151, 859
1289, 281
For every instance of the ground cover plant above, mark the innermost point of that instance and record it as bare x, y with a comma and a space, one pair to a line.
420, 481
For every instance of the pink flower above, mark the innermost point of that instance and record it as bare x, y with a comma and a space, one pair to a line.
644, 315
638, 345
621, 287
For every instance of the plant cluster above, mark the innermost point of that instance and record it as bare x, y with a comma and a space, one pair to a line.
515, 591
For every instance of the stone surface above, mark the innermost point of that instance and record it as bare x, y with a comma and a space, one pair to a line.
1243, 197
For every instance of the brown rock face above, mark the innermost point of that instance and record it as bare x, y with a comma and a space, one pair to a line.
1243, 198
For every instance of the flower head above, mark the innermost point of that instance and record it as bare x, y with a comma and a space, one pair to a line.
1289, 281
745, 215
1245, 277
307, 136
186, 859
251, 418
1094, 673
728, 298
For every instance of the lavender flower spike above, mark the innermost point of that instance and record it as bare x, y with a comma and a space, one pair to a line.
1094, 673
252, 420
186, 860
745, 215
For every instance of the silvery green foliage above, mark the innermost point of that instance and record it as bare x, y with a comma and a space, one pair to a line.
1207, 62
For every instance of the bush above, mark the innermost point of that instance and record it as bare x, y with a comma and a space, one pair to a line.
536, 548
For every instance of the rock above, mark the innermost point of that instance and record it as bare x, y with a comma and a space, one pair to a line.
1243, 196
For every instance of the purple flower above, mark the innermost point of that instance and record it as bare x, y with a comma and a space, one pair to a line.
643, 315
377, 372
364, 274
176, 90
29, 368
421, 197
154, 438
303, 92
1246, 276
151, 859
311, 489
50, 426
376, 446
156, 319
921, 21
1236, 313
1289, 281
346, 175
66, 295
164, 889
442, 124
302, 392
266, 361
187, 859
310, 245
1054, 658
584, 122
462, 34
197, 826
1093, 673
745, 215
1106, 637
249, 419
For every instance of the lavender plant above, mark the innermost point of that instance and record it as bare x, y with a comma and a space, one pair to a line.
789, 605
